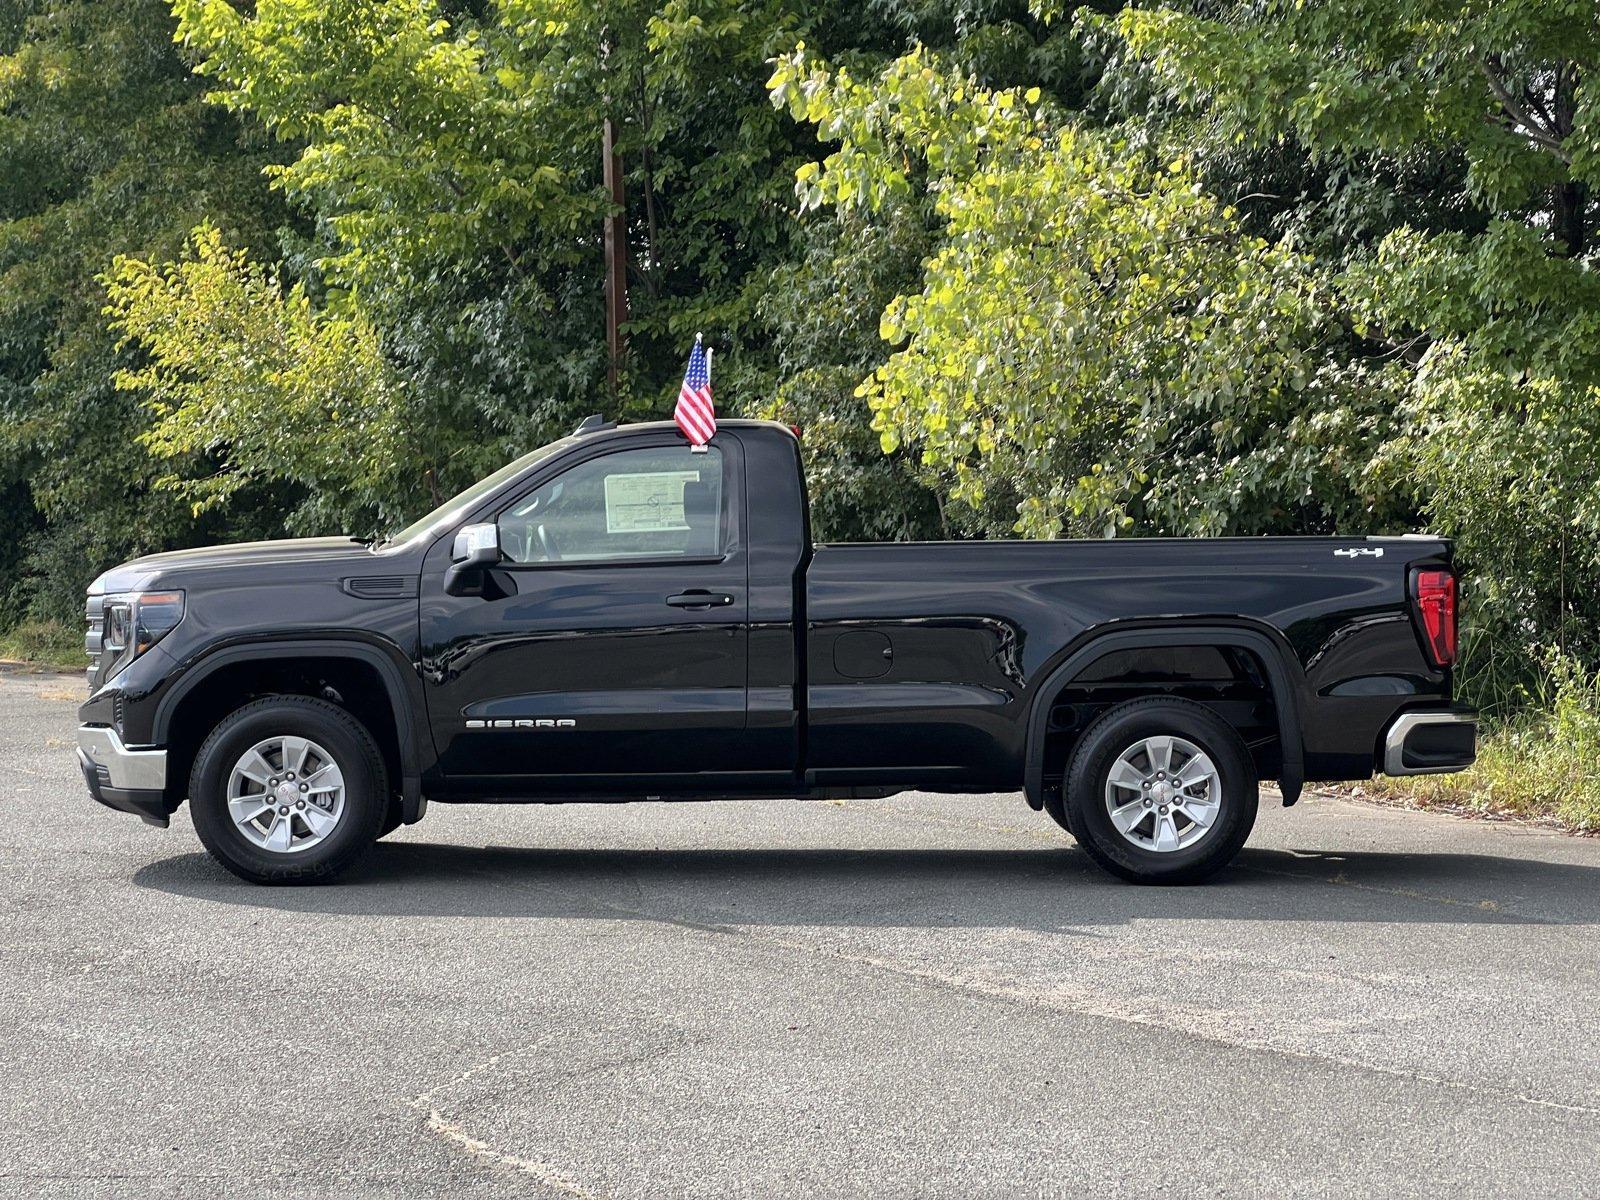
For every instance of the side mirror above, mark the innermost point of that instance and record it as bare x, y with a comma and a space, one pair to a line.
476, 547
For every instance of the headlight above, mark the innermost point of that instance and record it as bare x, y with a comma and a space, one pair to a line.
118, 626
136, 621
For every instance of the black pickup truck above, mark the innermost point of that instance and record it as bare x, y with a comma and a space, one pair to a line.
616, 616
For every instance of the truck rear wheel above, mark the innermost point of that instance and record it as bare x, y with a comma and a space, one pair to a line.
1161, 791
288, 790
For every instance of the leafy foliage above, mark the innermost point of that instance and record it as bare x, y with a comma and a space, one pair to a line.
825, 310
417, 148
1096, 343
450, 155
425, 172
1503, 83
1488, 310
105, 148
251, 379
454, 160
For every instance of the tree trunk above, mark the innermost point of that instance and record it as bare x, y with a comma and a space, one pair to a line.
647, 112
1571, 199
616, 251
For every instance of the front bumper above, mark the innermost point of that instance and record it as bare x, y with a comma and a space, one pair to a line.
132, 781
1430, 742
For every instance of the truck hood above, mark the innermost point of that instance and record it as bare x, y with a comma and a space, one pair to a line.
138, 573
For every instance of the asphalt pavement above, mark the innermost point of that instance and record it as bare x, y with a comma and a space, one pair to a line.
931, 996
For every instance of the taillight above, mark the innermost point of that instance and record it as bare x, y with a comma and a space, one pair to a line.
1434, 592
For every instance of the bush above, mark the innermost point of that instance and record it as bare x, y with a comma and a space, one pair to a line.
44, 643
1539, 764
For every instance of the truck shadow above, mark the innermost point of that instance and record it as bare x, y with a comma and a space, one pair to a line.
1036, 889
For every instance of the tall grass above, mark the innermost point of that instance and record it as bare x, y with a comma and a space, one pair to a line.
1541, 762
45, 644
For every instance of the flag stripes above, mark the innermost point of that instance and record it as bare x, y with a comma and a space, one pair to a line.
694, 414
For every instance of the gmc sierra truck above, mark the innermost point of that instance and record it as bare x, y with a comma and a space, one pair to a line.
617, 616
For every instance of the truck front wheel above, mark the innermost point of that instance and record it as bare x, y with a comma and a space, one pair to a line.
288, 789
1161, 791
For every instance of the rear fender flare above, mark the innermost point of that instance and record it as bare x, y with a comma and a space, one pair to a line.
1285, 692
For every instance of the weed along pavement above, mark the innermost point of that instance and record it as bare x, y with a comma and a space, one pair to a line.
922, 995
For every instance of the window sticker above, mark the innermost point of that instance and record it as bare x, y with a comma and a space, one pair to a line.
649, 502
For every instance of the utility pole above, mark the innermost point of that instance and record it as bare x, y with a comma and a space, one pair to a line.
616, 248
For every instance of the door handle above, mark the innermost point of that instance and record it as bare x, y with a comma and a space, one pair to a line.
700, 598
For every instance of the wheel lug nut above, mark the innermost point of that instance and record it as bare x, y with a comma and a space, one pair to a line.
299, 803
1163, 810
305, 787
272, 783
290, 775
283, 811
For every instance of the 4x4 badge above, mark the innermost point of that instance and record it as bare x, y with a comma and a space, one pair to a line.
1370, 552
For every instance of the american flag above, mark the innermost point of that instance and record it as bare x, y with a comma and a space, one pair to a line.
694, 414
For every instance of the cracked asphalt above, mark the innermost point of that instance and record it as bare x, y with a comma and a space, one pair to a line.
916, 996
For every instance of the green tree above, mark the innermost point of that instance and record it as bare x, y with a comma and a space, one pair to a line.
250, 379
105, 148
1486, 314
1095, 344
826, 302
824, 309
450, 154
451, 157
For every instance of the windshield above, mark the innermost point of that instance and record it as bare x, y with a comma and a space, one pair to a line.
453, 509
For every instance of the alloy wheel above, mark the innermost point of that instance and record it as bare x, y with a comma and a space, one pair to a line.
1163, 793
286, 794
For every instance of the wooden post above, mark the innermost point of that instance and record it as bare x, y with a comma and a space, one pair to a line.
616, 249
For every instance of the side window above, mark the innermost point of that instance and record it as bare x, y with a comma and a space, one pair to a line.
661, 502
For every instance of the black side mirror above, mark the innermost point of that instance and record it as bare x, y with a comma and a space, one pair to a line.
476, 548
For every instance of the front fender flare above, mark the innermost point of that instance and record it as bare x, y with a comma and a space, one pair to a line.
1285, 692
401, 685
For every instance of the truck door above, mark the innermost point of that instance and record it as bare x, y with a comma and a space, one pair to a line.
611, 649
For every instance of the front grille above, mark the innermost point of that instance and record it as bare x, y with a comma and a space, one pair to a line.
94, 616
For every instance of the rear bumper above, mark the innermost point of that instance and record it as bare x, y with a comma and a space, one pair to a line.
131, 781
1430, 742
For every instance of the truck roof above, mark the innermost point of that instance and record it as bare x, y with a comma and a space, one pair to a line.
598, 424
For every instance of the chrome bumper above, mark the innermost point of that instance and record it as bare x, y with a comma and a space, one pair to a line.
1430, 743
125, 769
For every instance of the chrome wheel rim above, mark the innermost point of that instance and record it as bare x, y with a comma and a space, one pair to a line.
286, 794
1163, 794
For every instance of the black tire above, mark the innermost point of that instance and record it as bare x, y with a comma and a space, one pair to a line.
366, 789
391, 820
1098, 750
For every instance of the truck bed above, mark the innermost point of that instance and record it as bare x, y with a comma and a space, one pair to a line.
971, 628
